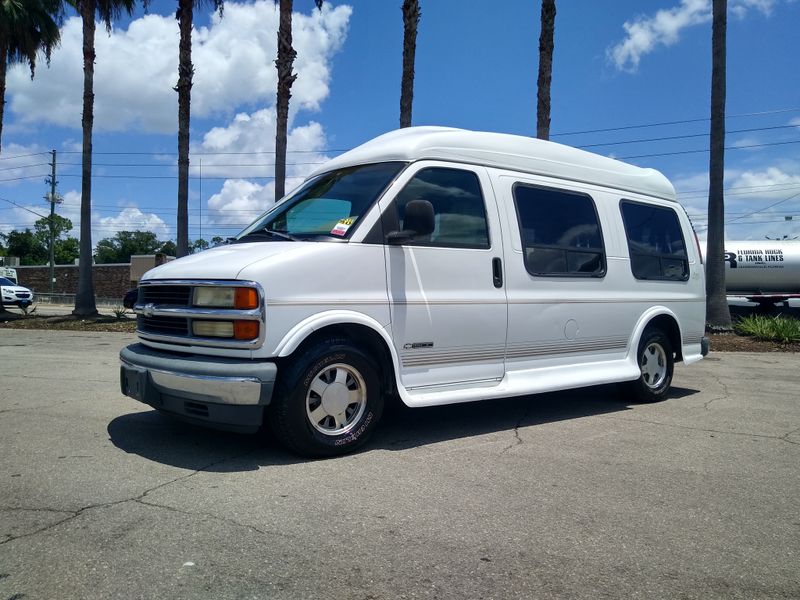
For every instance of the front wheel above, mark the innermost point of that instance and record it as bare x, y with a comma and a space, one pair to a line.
328, 401
656, 365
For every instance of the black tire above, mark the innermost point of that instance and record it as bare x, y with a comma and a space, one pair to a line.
656, 363
353, 400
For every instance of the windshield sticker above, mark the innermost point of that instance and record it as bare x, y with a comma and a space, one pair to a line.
343, 225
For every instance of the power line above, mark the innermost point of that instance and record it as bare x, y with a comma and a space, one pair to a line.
22, 155
24, 167
164, 177
24, 208
742, 187
766, 207
173, 165
682, 122
775, 191
706, 150
321, 151
683, 137
25, 177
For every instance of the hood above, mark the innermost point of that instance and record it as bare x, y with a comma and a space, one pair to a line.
223, 262
14, 288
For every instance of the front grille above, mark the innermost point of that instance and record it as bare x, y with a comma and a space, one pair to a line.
23, 295
176, 326
164, 313
172, 295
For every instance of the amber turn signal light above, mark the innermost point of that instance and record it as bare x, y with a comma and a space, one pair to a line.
245, 330
245, 298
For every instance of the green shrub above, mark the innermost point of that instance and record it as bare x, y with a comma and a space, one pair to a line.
777, 329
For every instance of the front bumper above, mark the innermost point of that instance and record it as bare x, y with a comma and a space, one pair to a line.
222, 393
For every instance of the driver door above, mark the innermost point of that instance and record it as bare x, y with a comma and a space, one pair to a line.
446, 293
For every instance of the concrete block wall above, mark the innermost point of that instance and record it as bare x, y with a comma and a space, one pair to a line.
110, 281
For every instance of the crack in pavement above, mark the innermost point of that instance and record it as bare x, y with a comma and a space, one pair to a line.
725, 392
36, 408
518, 441
213, 516
785, 436
781, 438
80, 511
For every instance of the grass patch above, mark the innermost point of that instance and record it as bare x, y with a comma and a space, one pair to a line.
784, 330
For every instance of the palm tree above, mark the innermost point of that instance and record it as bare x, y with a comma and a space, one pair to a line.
26, 27
284, 62
545, 69
411, 17
107, 10
718, 314
185, 17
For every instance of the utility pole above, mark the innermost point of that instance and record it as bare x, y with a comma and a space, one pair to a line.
53, 198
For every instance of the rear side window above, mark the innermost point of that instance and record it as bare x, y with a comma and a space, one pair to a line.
560, 232
655, 242
458, 207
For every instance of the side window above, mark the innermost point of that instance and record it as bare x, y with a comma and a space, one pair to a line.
655, 242
458, 207
560, 232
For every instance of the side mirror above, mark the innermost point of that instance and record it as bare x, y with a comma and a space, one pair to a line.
419, 221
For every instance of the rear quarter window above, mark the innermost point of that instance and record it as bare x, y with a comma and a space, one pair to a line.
656, 244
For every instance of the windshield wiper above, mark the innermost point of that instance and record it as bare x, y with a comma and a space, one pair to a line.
284, 235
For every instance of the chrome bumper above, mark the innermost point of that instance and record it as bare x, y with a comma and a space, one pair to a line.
218, 392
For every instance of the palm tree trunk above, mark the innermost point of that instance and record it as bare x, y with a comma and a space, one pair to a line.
284, 63
545, 69
184, 88
718, 314
411, 17
84, 300
3, 67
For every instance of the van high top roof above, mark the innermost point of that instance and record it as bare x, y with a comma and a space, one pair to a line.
505, 151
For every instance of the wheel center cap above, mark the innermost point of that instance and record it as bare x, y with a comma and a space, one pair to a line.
335, 398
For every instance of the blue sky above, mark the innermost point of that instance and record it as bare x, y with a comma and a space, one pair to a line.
617, 65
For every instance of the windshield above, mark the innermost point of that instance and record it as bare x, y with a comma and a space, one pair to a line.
328, 206
4, 281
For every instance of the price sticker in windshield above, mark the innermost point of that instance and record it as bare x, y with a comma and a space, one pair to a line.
342, 226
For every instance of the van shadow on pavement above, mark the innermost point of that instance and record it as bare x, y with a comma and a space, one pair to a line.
161, 439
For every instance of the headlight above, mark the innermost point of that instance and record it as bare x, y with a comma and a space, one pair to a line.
226, 297
221, 297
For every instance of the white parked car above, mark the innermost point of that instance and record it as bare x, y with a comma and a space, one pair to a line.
14, 294
431, 264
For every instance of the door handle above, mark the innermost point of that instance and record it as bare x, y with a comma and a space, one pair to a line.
497, 272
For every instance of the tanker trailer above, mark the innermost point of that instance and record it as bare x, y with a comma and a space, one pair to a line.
766, 272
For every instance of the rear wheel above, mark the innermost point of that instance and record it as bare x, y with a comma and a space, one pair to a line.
656, 364
328, 401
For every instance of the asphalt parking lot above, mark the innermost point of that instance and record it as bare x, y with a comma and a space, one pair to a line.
567, 495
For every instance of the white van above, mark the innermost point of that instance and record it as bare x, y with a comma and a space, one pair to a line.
431, 264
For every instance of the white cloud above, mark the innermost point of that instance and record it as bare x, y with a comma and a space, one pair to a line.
246, 147
127, 219
131, 219
233, 59
240, 201
749, 198
644, 34
19, 163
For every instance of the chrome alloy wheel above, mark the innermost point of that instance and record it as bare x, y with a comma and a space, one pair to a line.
653, 365
336, 399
